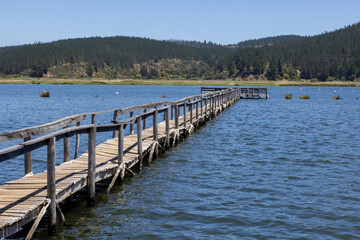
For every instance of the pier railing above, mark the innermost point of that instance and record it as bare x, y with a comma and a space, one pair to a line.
203, 106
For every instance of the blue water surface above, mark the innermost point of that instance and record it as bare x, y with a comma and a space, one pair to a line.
262, 169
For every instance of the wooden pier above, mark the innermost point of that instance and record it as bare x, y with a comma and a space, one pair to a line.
253, 93
245, 93
27, 199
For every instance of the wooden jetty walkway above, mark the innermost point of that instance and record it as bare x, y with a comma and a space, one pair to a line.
245, 93
27, 199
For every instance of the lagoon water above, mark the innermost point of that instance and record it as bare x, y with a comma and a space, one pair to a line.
262, 169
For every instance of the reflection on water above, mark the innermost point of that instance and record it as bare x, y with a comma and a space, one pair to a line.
276, 169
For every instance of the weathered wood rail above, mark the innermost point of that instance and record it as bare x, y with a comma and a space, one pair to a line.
253, 93
27, 198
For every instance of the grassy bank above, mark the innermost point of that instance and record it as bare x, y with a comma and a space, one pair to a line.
181, 82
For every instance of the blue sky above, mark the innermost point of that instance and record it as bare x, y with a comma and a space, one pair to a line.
222, 21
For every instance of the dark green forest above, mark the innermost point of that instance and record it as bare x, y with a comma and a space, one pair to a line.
325, 57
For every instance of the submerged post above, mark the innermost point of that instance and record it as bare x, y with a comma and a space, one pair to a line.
91, 166
27, 159
51, 184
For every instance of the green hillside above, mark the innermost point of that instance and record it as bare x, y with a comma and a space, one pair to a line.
325, 57
109, 57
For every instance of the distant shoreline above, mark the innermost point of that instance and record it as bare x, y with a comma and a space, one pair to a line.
173, 82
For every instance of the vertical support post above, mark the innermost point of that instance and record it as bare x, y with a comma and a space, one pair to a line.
139, 139
201, 107
131, 124
92, 118
27, 159
155, 125
77, 142
144, 121
121, 144
206, 105
197, 109
51, 184
185, 115
66, 148
212, 106
115, 119
172, 112
191, 112
91, 166
176, 107
167, 127
164, 114
155, 130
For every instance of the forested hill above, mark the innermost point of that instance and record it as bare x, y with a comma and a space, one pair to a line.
109, 57
268, 41
325, 57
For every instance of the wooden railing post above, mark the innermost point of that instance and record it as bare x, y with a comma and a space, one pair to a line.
155, 130
167, 127
144, 121
172, 112
131, 124
212, 106
66, 148
77, 142
191, 112
92, 118
91, 166
197, 109
155, 125
139, 139
51, 184
121, 144
206, 105
185, 115
176, 107
115, 119
201, 107
27, 159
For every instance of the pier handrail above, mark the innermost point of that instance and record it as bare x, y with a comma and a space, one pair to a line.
204, 106
66, 131
67, 121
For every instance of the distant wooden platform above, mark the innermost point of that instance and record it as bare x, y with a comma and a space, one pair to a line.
245, 93
26, 199
253, 93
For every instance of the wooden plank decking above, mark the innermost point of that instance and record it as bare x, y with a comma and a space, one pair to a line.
21, 200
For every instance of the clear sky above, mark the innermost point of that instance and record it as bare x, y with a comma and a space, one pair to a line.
221, 21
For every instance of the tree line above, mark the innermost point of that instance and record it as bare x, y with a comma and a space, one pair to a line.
325, 57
